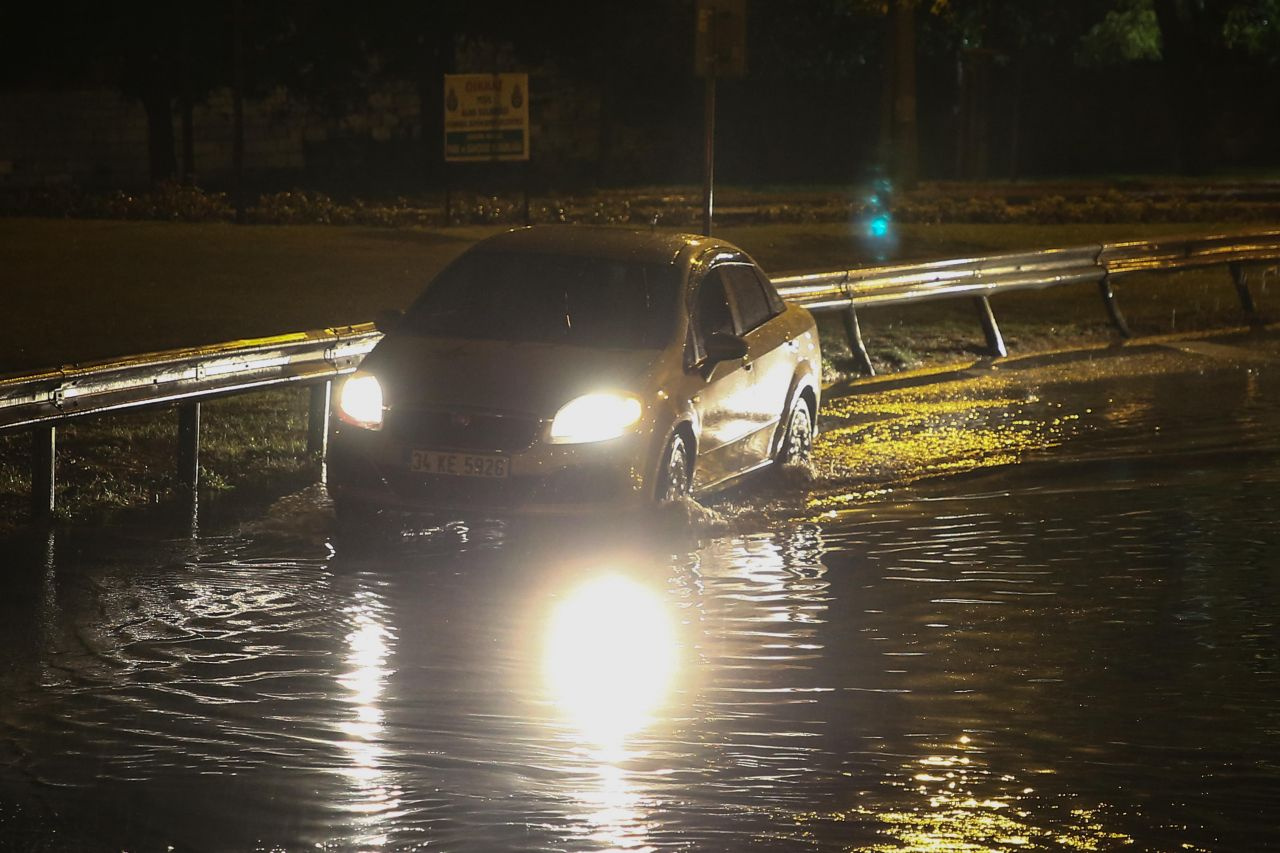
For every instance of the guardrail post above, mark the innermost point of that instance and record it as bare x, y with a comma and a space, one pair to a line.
995, 341
318, 418
1240, 275
1113, 309
44, 462
189, 444
857, 348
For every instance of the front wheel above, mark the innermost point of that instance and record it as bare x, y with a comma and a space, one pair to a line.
797, 443
673, 476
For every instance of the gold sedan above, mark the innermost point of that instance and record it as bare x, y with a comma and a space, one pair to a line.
572, 368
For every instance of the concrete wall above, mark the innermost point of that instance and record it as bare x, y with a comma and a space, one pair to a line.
70, 137
98, 139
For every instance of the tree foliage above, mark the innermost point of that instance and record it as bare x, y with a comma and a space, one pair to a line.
1127, 33
1137, 29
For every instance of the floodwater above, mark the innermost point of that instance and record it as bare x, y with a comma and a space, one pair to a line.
1068, 640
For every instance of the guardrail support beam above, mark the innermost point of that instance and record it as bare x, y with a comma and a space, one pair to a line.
995, 341
857, 348
189, 444
1113, 309
1240, 275
318, 419
44, 462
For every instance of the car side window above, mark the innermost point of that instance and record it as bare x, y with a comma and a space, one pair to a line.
711, 313
750, 303
776, 303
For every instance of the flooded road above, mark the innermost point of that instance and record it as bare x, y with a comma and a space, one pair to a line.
1069, 641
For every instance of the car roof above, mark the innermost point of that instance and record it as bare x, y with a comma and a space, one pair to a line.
597, 241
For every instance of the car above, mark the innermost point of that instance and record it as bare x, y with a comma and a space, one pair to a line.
570, 368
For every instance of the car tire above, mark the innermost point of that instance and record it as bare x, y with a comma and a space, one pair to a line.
673, 475
797, 442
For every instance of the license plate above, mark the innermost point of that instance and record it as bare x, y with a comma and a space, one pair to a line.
458, 464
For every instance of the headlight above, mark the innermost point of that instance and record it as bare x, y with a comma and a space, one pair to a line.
360, 401
594, 417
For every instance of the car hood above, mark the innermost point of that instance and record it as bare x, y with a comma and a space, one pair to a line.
535, 378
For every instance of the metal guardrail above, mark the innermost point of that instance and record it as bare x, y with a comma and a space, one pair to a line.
76, 390
983, 277
41, 401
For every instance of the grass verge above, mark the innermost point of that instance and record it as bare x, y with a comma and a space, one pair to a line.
248, 443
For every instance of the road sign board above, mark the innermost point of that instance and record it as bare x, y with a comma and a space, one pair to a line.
720, 49
486, 117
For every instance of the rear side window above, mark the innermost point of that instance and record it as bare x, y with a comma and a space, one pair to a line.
776, 304
750, 302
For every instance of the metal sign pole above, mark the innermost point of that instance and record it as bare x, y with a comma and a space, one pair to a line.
709, 159
720, 50
527, 221
448, 195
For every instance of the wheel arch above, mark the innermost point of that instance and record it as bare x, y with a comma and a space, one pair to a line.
686, 432
803, 388
674, 418
684, 429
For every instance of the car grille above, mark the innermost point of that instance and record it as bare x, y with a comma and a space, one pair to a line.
453, 430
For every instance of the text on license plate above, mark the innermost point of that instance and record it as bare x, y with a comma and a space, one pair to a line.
458, 464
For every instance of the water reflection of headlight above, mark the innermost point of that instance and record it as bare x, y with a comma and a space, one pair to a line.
610, 657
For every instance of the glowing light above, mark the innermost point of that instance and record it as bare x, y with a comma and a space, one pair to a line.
610, 658
615, 818
360, 401
960, 806
878, 227
594, 417
369, 644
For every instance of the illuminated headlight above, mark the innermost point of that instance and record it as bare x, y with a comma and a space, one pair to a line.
360, 401
594, 417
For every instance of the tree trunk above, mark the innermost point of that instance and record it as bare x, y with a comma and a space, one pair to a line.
960, 116
1189, 37
884, 145
437, 61
1015, 122
906, 143
237, 109
162, 163
606, 136
431, 112
975, 98
188, 142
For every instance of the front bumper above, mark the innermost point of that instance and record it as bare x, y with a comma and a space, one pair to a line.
372, 468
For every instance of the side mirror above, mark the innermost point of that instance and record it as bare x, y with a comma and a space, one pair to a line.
722, 346
388, 319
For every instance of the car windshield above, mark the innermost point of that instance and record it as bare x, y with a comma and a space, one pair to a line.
546, 298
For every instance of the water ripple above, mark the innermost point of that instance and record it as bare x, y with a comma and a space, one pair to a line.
1075, 652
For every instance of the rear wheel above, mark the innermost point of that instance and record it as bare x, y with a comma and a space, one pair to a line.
797, 443
673, 476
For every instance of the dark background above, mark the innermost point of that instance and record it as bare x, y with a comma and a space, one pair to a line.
1001, 90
